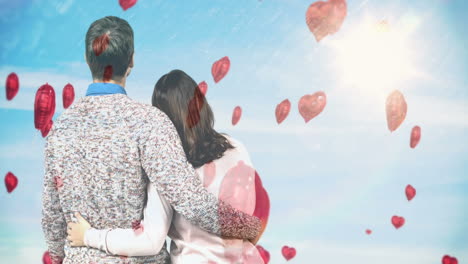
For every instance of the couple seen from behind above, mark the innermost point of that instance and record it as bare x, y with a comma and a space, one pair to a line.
122, 176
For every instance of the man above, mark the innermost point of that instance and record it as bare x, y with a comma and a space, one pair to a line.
103, 150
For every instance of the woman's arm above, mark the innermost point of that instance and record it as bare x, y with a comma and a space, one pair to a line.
146, 238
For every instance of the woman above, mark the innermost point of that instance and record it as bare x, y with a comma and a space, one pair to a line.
223, 165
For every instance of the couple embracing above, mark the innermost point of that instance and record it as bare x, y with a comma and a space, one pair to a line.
121, 176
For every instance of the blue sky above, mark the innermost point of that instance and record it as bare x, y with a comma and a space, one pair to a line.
329, 179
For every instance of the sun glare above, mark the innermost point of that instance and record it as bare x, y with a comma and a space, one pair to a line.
376, 54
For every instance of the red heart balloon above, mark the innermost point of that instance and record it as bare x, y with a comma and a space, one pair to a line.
44, 106
236, 115
100, 44
325, 18
398, 221
46, 258
282, 111
12, 86
46, 129
137, 227
220, 68
11, 182
396, 109
311, 106
264, 254
126, 4
68, 95
108, 72
262, 203
194, 107
209, 174
449, 260
203, 86
410, 192
288, 252
415, 136
368, 231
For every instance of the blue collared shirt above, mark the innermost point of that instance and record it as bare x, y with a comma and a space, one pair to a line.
95, 89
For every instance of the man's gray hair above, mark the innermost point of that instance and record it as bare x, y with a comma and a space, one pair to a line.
109, 48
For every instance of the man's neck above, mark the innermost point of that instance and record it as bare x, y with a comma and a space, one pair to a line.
121, 83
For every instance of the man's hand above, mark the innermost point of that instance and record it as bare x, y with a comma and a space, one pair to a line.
76, 231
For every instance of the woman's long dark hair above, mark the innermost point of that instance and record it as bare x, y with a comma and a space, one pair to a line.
178, 95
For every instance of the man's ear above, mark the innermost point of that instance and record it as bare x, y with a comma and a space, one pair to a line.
131, 61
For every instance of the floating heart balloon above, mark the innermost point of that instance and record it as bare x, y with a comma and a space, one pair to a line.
311, 106
325, 18
44, 106
250, 254
10, 182
236, 115
264, 254
415, 136
282, 111
194, 107
68, 95
209, 174
46, 258
58, 182
262, 203
46, 129
100, 44
220, 68
368, 231
449, 260
236, 188
203, 87
410, 192
398, 221
137, 227
396, 108
126, 4
108, 72
12, 86
288, 252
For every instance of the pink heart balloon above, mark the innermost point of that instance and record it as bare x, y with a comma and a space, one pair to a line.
398, 221
209, 174
236, 115
368, 231
410, 192
126, 4
262, 203
203, 86
264, 254
46, 258
449, 260
68, 95
396, 109
311, 106
236, 188
415, 136
10, 182
288, 252
325, 18
282, 111
44, 106
220, 68
12, 86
